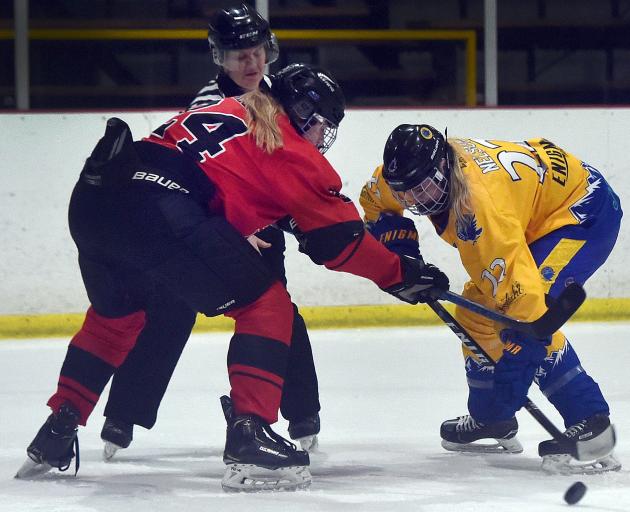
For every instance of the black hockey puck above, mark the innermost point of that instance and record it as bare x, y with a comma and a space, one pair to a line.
575, 493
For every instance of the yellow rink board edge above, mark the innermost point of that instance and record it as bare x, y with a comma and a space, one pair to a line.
317, 317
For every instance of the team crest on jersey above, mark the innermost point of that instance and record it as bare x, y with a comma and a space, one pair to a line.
547, 273
467, 229
426, 133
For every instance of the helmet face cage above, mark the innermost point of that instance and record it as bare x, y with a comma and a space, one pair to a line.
329, 136
320, 131
429, 197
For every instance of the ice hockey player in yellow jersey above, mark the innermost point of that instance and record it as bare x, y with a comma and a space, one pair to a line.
527, 219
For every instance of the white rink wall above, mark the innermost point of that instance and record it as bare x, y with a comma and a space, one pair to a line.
41, 156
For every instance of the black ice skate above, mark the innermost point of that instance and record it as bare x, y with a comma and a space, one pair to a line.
54, 445
586, 448
258, 459
305, 432
460, 435
117, 435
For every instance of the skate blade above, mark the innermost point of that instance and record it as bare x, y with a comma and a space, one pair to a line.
564, 464
109, 450
31, 470
309, 444
500, 446
250, 478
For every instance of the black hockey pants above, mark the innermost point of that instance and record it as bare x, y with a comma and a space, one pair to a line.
141, 381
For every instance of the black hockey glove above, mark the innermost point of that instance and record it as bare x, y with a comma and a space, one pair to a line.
422, 282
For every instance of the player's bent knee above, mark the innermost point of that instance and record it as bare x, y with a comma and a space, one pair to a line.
271, 315
109, 339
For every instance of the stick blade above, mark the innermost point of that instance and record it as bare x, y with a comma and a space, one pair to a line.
563, 308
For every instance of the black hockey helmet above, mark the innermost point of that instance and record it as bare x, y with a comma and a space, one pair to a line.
413, 169
238, 28
310, 95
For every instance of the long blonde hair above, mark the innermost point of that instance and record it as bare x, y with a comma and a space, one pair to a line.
262, 111
461, 201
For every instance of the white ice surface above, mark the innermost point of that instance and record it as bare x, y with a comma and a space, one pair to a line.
384, 393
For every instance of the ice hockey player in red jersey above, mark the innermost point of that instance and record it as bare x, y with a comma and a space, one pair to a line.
178, 209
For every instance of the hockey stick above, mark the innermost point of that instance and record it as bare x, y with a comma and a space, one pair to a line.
484, 358
561, 309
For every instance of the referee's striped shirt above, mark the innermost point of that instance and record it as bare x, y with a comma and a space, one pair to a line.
222, 86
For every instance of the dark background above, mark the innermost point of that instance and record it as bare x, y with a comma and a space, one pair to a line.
550, 52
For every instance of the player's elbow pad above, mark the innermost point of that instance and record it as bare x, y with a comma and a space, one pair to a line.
326, 244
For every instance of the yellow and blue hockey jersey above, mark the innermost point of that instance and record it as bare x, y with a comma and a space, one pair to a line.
520, 192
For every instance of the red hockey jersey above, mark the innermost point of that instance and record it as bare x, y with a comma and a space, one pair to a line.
256, 188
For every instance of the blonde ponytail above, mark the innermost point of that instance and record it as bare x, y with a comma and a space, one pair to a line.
461, 203
262, 110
